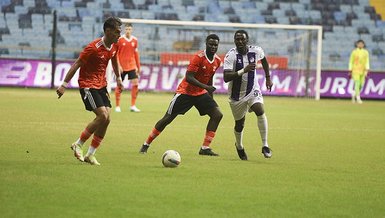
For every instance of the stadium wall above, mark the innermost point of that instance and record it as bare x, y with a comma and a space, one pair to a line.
335, 84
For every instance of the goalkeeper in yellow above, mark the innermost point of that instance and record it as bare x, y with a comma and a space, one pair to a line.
358, 69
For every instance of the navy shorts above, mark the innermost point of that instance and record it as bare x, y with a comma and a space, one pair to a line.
95, 98
130, 75
182, 103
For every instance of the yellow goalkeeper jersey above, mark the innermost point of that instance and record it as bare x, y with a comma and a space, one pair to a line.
359, 61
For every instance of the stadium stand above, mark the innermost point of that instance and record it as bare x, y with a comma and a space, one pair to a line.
26, 25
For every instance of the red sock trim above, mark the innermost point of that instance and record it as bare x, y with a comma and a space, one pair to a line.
96, 141
208, 138
85, 135
153, 134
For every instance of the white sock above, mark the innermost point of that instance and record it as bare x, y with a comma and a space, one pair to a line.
238, 139
91, 151
262, 126
205, 147
145, 143
79, 142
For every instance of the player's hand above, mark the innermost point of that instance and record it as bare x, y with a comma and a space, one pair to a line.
211, 89
269, 84
119, 84
250, 67
137, 71
60, 91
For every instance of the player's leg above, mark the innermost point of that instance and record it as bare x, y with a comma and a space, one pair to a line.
179, 104
159, 127
100, 124
134, 94
258, 109
118, 93
215, 118
356, 92
238, 133
206, 105
361, 82
100, 104
92, 100
239, 109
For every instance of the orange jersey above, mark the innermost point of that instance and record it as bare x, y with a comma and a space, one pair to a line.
128, 54
95, 57
204, 70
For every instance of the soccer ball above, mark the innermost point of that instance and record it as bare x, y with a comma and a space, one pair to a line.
171, 158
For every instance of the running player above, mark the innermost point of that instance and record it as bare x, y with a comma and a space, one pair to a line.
244, 90
92, 62
196, 89
129, 61
358, 69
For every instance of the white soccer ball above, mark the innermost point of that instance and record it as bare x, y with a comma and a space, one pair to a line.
171, 158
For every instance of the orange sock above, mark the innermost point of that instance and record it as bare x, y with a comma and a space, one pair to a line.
153, 134
208, 138
134, 94
96, 141
85, 135
118, 92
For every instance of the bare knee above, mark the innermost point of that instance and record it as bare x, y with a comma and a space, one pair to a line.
162, 123
217, 116
239, 125
104, 118
258, 109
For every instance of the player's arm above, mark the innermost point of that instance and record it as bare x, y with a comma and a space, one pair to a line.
210, 83
229, 72
115, 67
119, 65
229, 75
351, 63
190, 78
137, 61
265, 66
71, 72
367, 67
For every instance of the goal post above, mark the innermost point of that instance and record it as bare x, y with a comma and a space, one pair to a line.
293, 52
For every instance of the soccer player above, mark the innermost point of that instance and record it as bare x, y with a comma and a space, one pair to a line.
358, 69
129, 61
244, 90
92, 62
196, 89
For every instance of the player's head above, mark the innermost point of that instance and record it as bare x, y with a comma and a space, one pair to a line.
111, 28
241, 38
360, 44
212, 42
128, 29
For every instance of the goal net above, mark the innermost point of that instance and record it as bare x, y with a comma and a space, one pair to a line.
293, 52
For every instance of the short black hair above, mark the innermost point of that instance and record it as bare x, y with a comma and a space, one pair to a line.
241, 32
358, 41
128, 25
212, 36
111, 22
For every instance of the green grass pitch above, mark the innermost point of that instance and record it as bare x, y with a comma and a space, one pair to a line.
328, 161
